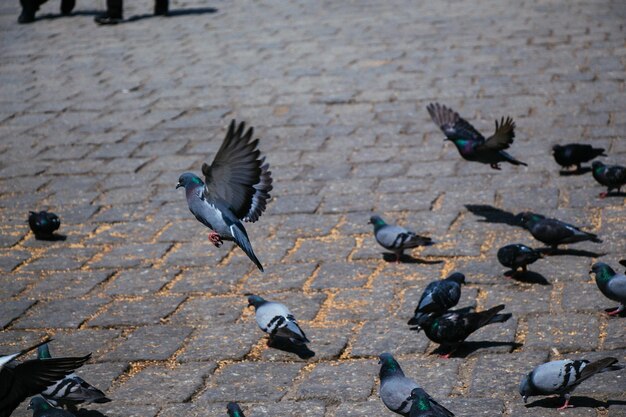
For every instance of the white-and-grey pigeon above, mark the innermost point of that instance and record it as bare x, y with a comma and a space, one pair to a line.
21, 380
396, 238
71, 390
395, 388
562, 377
236, 187
439, 296
276, 320
611, 284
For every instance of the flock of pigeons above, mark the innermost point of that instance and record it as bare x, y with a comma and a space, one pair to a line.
236, 189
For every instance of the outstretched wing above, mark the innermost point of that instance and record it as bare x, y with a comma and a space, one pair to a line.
503, 136
453, 125
238, 174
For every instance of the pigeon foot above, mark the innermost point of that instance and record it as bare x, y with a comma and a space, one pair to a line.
566, 405
603, 195
614, 312
495, 166
215, 239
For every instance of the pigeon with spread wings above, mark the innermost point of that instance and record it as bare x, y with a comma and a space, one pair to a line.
236, 187
470, 143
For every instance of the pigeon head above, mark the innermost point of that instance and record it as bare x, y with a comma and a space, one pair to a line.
528, 218
188, 180
43, 352
556, 148
38, 403
256, 301
425, 320
457, 277
234, 410
525, 388
597, 165
377, 221
603, 271
388, 365
419, 399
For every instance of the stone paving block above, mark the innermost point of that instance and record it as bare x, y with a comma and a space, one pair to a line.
138, 282
65, 312
387, 335
131, 255
307, 226
437, 376
209, 311
13, 309
156, 384
520, 298
67, 284
220, 342
360, 304
562, 332
371, 407
250, 381
497, 375
310, 249
474, 407
281, 277
615, 335
584, 297
83, 341
149, 343
212, 279
146, 310
341, 275
347, 381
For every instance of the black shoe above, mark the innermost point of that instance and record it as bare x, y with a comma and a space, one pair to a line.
67, 6
105, 19
160, 7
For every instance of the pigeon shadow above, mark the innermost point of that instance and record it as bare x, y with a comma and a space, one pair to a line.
174, 13
578, 401
52, 238
581, 171
572, 252
493, 215
467, 348
528, 277
407, 259
52, 16
286, 345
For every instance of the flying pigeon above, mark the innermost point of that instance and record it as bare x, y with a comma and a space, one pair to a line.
21, 380
452, 328
517, 256
234, 410
395, 389
612, 176
470, 143
43, 224
562, 377
276, 320
439, 296
71, 390
396, 238
611, 284
575, 154
42, 408
237, 188
553, 232
423, 405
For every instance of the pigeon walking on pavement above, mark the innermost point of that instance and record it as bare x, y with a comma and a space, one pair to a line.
395, 388
517, 256
423, 405
611, 284
71, 390
21, 380
42, 408
276, 320
470, 143
452, 328
439, 296
236, 187
562, 377
396, 238
234, 410
43, 224
611, 176
553, 232
574, 154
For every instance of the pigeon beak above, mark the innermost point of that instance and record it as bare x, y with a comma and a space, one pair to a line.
178, 185
30, 407
525, 398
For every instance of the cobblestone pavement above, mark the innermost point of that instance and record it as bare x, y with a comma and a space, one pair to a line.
97, 123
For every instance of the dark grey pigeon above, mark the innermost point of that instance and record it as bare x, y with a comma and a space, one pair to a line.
276, 320
42, 408
71, 390
470, 143
452, 328
562, 377
237, 188
21, 380
234, 410
396, 238
574, 154
517, 256
395, 389
423, 405
611, 284
611, 176
43, 224
553, 232
439, 296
